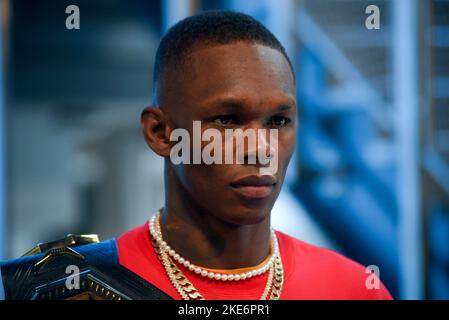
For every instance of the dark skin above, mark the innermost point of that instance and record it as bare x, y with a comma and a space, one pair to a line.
239, 85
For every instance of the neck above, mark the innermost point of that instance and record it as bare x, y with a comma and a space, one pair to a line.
207, 241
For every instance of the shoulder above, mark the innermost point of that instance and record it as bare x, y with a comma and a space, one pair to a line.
134, 243
326, 273
310, 254
134, 234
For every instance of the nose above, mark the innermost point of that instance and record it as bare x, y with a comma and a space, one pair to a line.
263, 150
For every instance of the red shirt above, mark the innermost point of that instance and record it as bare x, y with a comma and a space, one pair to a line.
310, 272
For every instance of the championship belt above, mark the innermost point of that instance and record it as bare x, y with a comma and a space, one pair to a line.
77, 267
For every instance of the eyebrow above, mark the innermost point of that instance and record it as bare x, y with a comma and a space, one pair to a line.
234, 104
284, 107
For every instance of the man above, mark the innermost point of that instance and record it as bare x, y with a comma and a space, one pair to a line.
213, 238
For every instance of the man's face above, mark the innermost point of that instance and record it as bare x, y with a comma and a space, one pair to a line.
240, 85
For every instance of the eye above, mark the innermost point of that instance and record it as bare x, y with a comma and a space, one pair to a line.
279, 121
225, 120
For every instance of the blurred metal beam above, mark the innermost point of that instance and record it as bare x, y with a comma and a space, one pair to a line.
406, 101
335, 60
437, 167
280, 21
176, 10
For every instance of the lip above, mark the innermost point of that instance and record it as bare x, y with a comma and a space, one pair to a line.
254, 186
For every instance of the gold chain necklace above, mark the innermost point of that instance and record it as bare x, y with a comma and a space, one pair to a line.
188, 292
269, 261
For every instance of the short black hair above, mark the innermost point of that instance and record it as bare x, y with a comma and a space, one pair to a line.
209, 28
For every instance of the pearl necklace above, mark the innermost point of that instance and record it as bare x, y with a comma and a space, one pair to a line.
155, 231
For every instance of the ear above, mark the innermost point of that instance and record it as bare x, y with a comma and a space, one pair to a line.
156, 130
